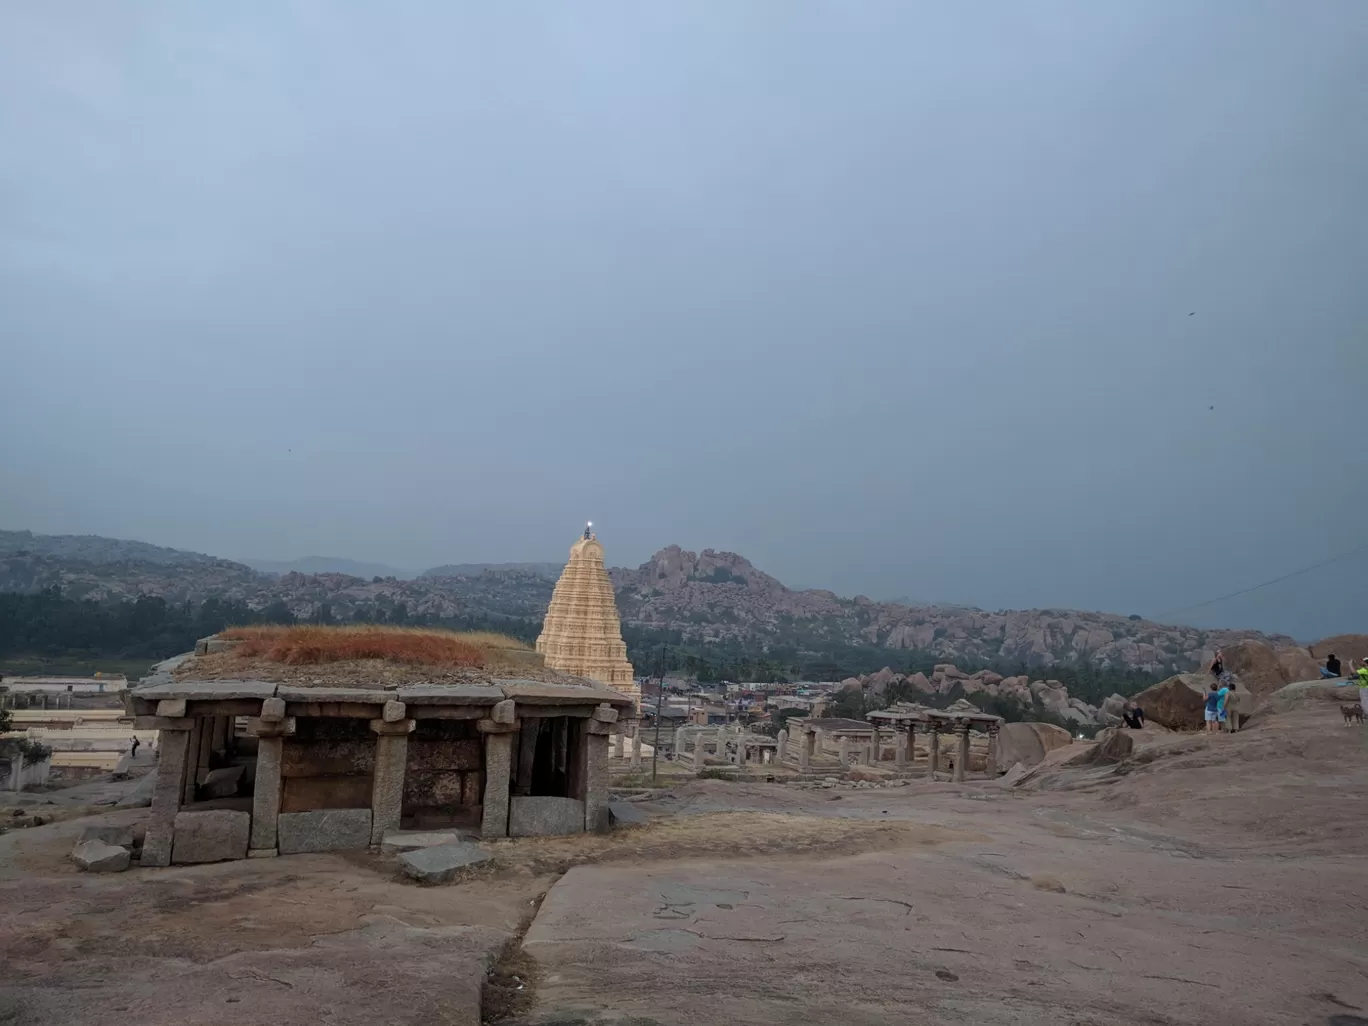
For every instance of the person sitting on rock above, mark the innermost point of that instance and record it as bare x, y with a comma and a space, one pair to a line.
1332, 668
1134, 716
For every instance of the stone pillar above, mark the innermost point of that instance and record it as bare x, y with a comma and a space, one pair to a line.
741, 751
962, 752
173, 746
678, 742
391, 756
594, 751
195, 742
874, 742
498, 730
844, 750
805, 745
992, 750
933, 760
781, 750
218, 738
900, 746
722, 743
636, 749
617, 746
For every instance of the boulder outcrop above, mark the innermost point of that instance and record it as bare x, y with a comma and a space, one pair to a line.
1029, 743
1177, 703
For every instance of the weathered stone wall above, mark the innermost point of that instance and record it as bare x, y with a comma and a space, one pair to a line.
329, 763
444, 774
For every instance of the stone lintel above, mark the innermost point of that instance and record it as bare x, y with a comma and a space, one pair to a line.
171, 708
576, 712
446, 712
601, 728
225, 707
334, 710
334, 693
493, 727
392, 727
258, 727
163, 723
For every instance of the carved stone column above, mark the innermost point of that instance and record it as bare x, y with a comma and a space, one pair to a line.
993, 749
270, 729
933, 758
962, 753
498, 732
391, 758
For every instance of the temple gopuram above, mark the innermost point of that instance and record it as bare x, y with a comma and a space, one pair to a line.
582, 633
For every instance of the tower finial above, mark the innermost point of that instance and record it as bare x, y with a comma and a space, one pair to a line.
588, 530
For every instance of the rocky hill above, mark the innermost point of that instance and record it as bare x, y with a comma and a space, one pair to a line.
707, 597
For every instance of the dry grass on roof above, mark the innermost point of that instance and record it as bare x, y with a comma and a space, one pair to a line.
365, 654
311, 645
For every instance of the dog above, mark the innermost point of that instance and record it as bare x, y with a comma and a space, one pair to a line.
1352, 714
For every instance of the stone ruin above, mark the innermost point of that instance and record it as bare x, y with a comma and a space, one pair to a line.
893, 740
256, 767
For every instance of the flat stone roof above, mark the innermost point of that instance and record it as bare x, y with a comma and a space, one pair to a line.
836, 723
567, 691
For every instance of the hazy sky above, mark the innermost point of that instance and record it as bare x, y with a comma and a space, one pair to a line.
925, 299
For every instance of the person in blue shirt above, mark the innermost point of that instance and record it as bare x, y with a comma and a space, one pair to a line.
1213, 709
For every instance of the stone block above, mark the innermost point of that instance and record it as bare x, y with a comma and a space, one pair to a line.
323, 830
623, 814
544, 816
393, 711
273, 709
606, 714
440, 863
210, 836
222, 783
172, 707
117, 835
412, 840
95, 856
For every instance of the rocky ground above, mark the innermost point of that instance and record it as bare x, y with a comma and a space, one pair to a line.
1206, 880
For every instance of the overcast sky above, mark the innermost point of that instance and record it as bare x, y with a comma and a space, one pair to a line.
901, 298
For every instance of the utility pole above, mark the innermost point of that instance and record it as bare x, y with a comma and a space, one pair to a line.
660, 697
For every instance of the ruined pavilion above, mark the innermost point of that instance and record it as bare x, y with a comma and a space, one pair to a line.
259, 758
582, 633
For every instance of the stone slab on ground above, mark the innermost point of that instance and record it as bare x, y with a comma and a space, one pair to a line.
117, 835
210, 836
626, 814
410, 840
440, 863
544, 816
96, 856
141, 795
323, 830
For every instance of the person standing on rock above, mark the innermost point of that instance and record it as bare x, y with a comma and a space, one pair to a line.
1213, 708
1218, 665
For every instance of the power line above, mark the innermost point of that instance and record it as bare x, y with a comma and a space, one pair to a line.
1277, 580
